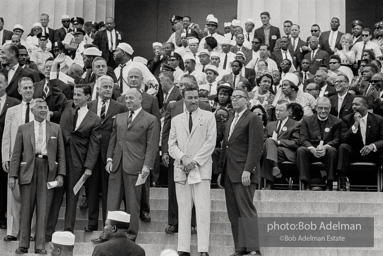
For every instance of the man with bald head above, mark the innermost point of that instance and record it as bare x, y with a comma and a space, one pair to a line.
131, 154
327, 90
316, 56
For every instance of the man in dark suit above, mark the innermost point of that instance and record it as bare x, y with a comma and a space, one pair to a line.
296, 43
8, 102
357, 27
106, 109
281, 143
35, 162
341, 102
131, 154
171, 92
89, 54
235, 76
284, 53
10, 59
81, 132
327, 90
44, 20
362, 138
273, 32
32, 67
320, 137
248, 73
173, 109
7, 35
304, 75
107, 41
316, 57
240, 163
60, 33
240, 48
331, 38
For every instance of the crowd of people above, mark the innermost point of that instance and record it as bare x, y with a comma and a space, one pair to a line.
210, 107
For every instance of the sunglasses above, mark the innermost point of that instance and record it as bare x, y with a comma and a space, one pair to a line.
314, 31
333, 63
65, 21
364, 35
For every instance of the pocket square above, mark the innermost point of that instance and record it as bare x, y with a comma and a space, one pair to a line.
23, 163
53, 137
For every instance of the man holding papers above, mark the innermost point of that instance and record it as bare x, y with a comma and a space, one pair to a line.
131, 153
38, 157
192, 141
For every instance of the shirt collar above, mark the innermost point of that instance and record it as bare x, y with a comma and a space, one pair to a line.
266, 26
3, 98
321, 119
37, 123
240, 113
136, 111
14, 67
365, 118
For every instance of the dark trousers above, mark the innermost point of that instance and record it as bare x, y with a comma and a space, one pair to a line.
124, 185
305, 157
272, 155
111, 63
35, 194
3, 195
97, 183
242, 215
145, 195
347, 155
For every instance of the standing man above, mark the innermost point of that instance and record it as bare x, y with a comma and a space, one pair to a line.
81, 132
192, 141
357, 27
131, 154
249, 32
107, 41
44, 20
5, 102
16, 116
287, 30
38, 157
4, 34
171, 92
316, 56
242, 140
227, 56
284, 53
296, 43
89, 54
268, 33
190, 68
341, 102
106, 109
212, 25
331, 38
239, 47
359, 47
327, 90
59, 34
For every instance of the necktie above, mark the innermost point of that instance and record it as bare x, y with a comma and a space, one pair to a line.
203, 68
340, 101
225, 61
294, 44
235, 77
45, 91
312, 55
194, 55
364, 47
285, 54
248, 37
279, 127
39, 146
363, 130
103, 109
235, 120
190, 122
75, 119
111, 41
27, 113
166, 96
130, 118
122, 78
305, 78
210, 85
331, 38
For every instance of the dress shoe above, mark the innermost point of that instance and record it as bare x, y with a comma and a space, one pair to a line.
98, 240
316, 188
238, 253
84, 205
254, 253
41, 251
9, 238
342, 188
184, 253
90, 228
268, 186
193, 230
204, 254
171, 229
21, 250
145, 217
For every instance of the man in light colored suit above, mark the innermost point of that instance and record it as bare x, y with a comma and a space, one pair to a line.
16, 116
38, 157
131, 154
191, 143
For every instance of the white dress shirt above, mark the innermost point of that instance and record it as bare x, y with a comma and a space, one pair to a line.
322, 91
1, 37
81, 115
11, 72
44, 150
358, 47
136, 112
111, 39
78, 59
2, 102
332, 39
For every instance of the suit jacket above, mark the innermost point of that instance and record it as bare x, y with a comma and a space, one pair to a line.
310, 135
116, 90
374, 132
288, 137
55, 99
198, 144
360, 39
59, 34
37, 77
346, 107
321, 57
173, 109
243, 151
12, 88
83, 143
278, 57
326, 42
134, 145
248, 53
9, 102
23, 158
7, 35
297, 52
101, 40
273, 35
119, 244
249, 73
230, 79
330, 91
90, 77
107, 123
175, 95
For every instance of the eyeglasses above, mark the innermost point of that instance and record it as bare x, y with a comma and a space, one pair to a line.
237, 97
338, 82
309, 89
65, 21
333, 63
323, 108
314, 31
364, 35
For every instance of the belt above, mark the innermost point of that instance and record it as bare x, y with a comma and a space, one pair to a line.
41, 156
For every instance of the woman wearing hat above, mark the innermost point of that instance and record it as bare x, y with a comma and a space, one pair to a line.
32, 39
262, 93
224, 91
291, 93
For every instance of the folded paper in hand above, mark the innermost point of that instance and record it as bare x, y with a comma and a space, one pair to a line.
52, 184
140, 179
79, 184
194, 176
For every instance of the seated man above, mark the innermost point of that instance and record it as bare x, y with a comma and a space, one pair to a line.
320, 137
62, 243
362, 138
281, 144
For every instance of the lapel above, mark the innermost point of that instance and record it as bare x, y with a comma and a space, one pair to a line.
48, 132
111, 108
338, 38
315, 56
171, 95
136, 119
31, 129
370, 121
239, 122
285, 125
329, 125
5, 107
17, 72
346, 97
93, 106
316, 127
84, 121
196, 121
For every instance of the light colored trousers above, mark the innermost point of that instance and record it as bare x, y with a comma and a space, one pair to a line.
199, 194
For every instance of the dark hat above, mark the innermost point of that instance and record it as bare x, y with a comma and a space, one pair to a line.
356, 22
225, 86
167, 67
376, 25
77, 31
175, 18
101, 24
191, 33
42, 36
175, 55
77, 20
58, 45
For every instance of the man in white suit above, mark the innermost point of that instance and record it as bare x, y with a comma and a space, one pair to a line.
16, 116
191, 143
